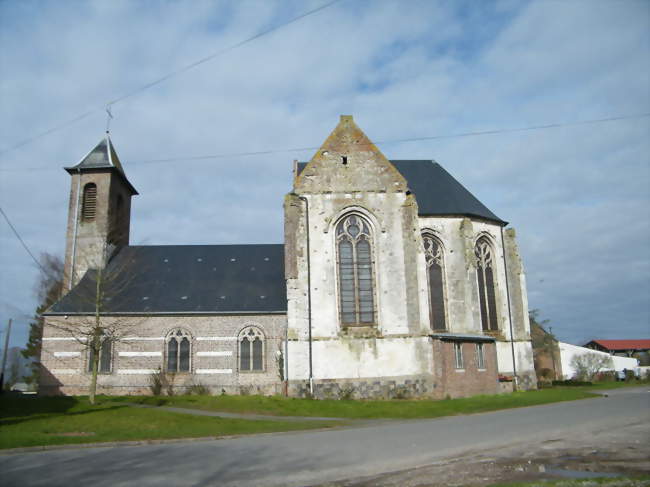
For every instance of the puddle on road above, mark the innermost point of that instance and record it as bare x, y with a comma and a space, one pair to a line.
580, 474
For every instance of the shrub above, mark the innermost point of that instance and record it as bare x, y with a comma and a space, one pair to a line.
156, 382
589, 364
571, 382
199, 390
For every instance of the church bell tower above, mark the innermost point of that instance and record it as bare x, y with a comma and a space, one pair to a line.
99, 212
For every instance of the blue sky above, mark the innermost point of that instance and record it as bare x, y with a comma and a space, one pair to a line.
578, 196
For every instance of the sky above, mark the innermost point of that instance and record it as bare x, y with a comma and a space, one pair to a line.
578, 195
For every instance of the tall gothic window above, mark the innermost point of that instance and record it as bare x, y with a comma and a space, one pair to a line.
485, 272
177, 351
89, 202
105, 357
435, 278
355, 266
251, 350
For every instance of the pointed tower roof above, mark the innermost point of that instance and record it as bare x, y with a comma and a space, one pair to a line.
103, 156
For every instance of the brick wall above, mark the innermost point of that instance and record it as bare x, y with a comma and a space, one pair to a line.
214, 360
469, 380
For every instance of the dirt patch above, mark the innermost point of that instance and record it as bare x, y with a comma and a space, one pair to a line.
623, 451
73, 433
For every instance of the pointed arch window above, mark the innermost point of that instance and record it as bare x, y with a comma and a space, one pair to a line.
433, 253
89, 202
355, 268
178, 350
105, 356
485, 273
251, 350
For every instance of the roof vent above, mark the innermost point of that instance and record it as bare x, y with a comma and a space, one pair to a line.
183, 297
233, 259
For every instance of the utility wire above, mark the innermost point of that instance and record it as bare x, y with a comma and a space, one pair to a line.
22, 241
388, 141
167, 76
396, 141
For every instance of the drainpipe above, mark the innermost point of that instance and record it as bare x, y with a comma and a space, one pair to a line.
311, 368
286, 361
512, 336
74, 234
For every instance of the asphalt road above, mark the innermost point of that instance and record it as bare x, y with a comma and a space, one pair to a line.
308, 458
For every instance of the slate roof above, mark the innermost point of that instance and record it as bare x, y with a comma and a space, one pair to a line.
186, 279
102, 156
437, 192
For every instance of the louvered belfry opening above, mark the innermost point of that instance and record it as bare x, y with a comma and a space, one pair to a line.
89, 205
436, 279
485, 274
355, 266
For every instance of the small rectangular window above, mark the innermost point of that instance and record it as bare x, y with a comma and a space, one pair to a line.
458, 355
480, 358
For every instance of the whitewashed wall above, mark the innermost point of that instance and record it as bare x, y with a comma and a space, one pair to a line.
568, 351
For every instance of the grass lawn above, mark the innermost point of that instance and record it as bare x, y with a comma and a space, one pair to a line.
35, 421
404, 409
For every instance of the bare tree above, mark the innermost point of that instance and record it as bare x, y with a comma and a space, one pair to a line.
48, 289
589, 364
93, 326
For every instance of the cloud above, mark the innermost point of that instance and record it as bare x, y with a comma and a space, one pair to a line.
577, 195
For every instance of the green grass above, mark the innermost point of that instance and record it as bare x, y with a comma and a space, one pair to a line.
403, 409
36, 421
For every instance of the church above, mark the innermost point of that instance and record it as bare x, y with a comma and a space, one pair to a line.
393, 281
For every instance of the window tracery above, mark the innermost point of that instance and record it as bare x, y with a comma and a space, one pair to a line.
355, 271
251, 350
433, 253
178, 351
485, 273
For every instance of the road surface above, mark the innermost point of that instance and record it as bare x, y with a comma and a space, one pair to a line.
310, 458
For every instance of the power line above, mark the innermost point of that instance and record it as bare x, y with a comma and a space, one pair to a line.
395, 141
168, 76
22, 241
388, 141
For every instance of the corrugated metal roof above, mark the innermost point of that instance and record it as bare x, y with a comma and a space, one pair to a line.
186, 279
643, 344
437, 192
